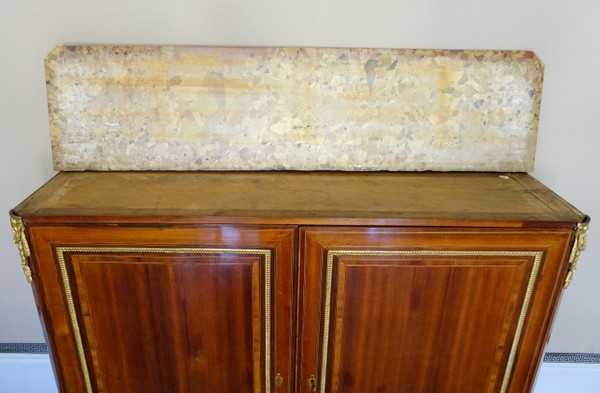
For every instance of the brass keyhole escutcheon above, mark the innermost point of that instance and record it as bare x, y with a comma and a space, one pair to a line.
278, 380
312, 382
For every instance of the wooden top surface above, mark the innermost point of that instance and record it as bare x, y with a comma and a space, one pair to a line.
308, 198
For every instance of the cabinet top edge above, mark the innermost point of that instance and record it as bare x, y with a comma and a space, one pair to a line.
300, 198
171, 221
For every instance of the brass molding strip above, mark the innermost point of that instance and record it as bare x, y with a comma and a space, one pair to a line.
579, 245
60, 251
537, 255
18, 230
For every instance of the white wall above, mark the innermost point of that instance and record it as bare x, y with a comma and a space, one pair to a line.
565, 34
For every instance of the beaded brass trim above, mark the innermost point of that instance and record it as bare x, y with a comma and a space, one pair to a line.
60, 251
537, 255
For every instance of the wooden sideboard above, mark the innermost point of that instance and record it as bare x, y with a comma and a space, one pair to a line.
295, 281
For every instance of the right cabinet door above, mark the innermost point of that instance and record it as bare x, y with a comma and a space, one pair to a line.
426, 310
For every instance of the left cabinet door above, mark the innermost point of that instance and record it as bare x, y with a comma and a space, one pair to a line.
167, 309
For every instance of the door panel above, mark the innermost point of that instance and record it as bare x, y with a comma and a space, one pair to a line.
427, 308
392, 310
201, 311
194, 320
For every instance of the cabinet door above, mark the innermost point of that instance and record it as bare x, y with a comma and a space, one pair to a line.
178, 309
423, 310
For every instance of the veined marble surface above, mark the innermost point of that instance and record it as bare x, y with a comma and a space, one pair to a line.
262, 108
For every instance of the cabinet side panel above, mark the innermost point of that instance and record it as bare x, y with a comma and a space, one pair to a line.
57, 326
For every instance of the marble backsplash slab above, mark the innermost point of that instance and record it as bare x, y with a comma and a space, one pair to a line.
266, 108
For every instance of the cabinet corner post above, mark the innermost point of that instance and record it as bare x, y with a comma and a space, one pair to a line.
579, 245
18, 230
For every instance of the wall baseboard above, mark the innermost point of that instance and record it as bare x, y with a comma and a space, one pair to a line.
568, 377
26, 373
32, 373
